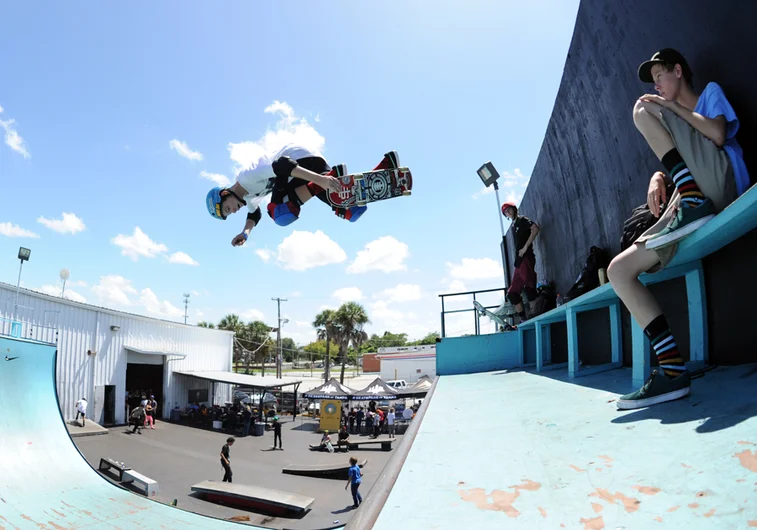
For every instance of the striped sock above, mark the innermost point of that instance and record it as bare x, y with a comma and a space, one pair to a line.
664, 346
691, 195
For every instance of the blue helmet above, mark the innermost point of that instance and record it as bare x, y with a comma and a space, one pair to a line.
213, 202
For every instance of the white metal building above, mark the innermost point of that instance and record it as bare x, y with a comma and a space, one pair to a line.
410, 365
96, 347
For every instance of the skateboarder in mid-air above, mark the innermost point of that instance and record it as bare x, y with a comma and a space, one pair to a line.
292, 177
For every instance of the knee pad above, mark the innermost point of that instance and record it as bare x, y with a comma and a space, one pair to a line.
284, 214
283, 166
514, 298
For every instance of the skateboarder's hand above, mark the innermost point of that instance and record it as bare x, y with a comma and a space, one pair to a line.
238, 240
657, 193
522, 252
654, 98
331, 183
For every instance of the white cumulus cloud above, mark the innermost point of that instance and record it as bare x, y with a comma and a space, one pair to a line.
183, 149
384, 254
348, 294
12, 138
220, 180
68, 224
10, 230
114, 289
152, 305
264, 254
306, 250
400, 293
252, 315
182, 258
138, 244
54, 290
288, 129
514, 182
475, 269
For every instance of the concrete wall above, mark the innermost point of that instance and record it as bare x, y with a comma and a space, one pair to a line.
594, 167
408, 368
478, 353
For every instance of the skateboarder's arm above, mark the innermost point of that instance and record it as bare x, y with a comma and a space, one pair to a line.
324, 181
534, 231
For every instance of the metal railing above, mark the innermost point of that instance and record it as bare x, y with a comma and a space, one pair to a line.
18, 321
476, 322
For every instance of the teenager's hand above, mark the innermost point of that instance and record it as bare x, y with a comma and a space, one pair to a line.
657, 193
330, 183
654, 98
522, 252
239, 240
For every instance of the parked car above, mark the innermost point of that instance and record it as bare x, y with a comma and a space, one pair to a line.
397, 383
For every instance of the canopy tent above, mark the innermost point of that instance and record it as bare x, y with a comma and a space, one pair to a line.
376, 390
418, 389
331, 389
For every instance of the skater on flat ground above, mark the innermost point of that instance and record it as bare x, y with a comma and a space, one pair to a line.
524, 275
356, 477
81, 410
277, 432
292, 177
226, 459
693, 136
138, 418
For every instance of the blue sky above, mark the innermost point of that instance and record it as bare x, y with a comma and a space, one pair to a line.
116, 119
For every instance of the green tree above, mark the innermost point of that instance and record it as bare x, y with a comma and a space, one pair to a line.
204, 324
317, 349
387, 340
288, 348
350, 319
256, 339
233, 323
428, 339
327, 329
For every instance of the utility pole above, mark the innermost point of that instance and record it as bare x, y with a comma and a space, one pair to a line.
278, 337
186, 306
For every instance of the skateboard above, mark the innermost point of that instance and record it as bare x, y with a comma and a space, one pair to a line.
482, 311
359, 189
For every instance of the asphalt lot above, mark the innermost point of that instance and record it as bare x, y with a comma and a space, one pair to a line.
178, 456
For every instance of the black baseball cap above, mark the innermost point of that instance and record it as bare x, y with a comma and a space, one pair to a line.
665, 56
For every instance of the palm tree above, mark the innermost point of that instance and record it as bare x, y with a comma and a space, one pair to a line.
256, 333
328, 330
233, 323
350, 318
204, 324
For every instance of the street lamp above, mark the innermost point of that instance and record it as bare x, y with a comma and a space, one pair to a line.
489, 175
23, 255
64, 275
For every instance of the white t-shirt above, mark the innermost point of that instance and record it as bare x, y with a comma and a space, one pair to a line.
390, 418
258, 178
81, 406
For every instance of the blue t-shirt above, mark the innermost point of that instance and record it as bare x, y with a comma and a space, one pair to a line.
713, 103
355, 474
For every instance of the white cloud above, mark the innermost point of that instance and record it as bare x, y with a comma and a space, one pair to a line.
295, 294
199, 314
252, 314
220, 180
114, 289
195, 293
183, 149
384, 254
400, 293
348, 294
289, 129
166, 309
485, 191
475, 269
305, 250
69, 224
7, 229
182, 258
54, 290
303, 324
77, 283
12, 138
264, 254
381, 311
456, 286
138, 244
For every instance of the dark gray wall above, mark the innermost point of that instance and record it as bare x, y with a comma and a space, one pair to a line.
594, 167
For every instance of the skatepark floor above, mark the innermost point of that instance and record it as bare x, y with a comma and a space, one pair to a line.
178, 456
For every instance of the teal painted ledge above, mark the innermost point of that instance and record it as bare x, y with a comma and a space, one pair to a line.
479, 353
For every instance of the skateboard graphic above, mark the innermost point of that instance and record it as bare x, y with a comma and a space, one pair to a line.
370, 186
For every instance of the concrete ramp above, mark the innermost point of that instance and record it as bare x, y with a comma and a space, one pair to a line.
336, 471
265, 500
46, 483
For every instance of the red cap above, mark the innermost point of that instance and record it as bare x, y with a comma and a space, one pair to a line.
508, 205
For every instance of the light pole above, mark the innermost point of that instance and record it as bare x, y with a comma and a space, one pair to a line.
64, 275
278, 337
186, 306
23, 255
489, 175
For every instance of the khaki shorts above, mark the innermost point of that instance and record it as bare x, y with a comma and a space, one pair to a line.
710, 167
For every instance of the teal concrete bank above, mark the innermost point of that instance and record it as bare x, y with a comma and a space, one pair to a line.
480, 353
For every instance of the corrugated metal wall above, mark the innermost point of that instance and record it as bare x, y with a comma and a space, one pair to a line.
83, 328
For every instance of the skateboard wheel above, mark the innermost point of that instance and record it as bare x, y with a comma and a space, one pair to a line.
407, 193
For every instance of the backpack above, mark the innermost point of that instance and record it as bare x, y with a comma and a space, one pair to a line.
545, 300
589, 277
640, 221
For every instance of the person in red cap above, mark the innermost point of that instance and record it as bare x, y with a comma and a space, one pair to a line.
524, 276
693, 136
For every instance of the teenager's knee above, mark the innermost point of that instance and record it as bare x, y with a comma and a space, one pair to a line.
622, 269
644, 112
